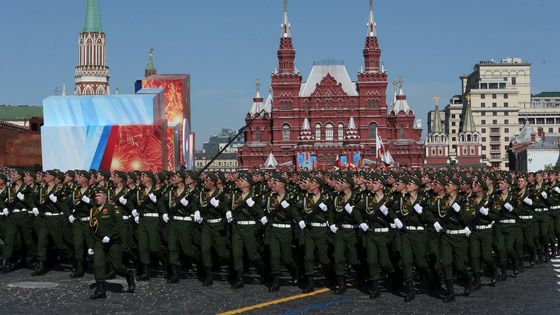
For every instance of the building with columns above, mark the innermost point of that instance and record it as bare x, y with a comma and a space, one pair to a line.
92, 72
328, 115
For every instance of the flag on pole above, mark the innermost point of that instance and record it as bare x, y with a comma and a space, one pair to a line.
382, 153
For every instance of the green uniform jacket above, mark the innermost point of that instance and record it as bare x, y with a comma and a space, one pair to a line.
106, 220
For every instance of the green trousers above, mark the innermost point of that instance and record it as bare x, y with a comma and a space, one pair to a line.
81, 235
213, 236
544, 233
480, 249
454, 254
128, 242
315, 244
413, 253
107, 255
378, 246
19, 225
345, 250
180, 240
434, 251
505, 236
50, 230
244, 239
555, 217
280, 248
149, 238
527, 238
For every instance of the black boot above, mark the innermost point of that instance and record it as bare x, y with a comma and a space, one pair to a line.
503, 273
39, 269
546, 253
275, 285
260, 270
130, 281
294, 271
468, 284
238, 281
450, 292
144, 272
340, 285
9, 265
373, 289
208, 281
477, 285
111, 273
516, 266
99, 292
493, 275
409, 292
79, 272
173, 274
308, 286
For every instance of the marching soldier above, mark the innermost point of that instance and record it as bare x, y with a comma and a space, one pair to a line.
543, 220
526, 213
3, 196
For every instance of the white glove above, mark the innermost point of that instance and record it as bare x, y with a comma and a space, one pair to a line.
5, 211
35, 211
105, 240
20, 196
483, 210
508, 206
438, 227
364, 227
86, 199
528, 201
184, 202
301, 224
153, 197
544, 194
264, 220
468, 231
384, 209
71, 218
398, 223
418, 208
456, 207
333, 228
348, 208
53, 198
323, 206
285, 204
135, 213
137, 219
122, 200
229, 217
557, 189
215, 202
165, 217
90, 251
197, 217
250, 202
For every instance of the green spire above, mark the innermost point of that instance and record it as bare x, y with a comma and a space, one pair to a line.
93, 17
150, 65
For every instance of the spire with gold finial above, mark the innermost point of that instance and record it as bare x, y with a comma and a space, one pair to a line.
468, 125
286, 27
437, 126
258, 105
371, 31
150, 68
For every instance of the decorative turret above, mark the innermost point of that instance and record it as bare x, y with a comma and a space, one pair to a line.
400, 104
352, 132
305, 133
150, 68
437, 146
258, 105
286, 52
469, 146
372, 52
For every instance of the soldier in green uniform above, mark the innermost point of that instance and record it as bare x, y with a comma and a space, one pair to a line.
554, 205
149, 208
105, 223
122, 196
52, 206
3, 197
243, 214
280, 213
524, 203
435, 205
181, 205
543, 220
213, 204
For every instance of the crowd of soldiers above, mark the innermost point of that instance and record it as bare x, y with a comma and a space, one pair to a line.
393, 228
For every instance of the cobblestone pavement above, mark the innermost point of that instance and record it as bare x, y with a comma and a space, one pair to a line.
535, 291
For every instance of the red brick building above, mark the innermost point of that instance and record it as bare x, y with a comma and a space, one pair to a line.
329, 115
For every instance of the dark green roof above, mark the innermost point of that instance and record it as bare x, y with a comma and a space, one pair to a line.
8, 112
547, 94
93, 17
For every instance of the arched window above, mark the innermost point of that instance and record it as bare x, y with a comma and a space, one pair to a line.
318, 132
472, 150
286, 130
329, 132
373, 130
257, 136
340, 132
401, 133
371, 103
433, 152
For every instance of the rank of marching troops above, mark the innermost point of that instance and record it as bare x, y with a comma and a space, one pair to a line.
375, 229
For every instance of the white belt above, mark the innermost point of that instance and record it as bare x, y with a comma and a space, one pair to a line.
246, 222
381, 230
50, 214
314, 224
175, 217
348, 226
508, 221
125, 217
415, 228
282, 226
214, 220
18, 210
483, 227
526, 217
554, 207
455, 232
541, 209
152, 215
86, 219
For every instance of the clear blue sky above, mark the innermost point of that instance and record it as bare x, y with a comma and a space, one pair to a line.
226, 45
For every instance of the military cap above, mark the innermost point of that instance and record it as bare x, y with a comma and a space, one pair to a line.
221, 176
403, 179
317, 180
506, 179
19, 172
246, 176
415, 180
105, 173
121, 174
345, 179
180, 173
466, 179
150, 175
52, 173
70, 173
455, 181
439, 180
279, 178
3, 177
211, 176
85, 174
169, 173
161, 176
133, 176
100, 190
190, 174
